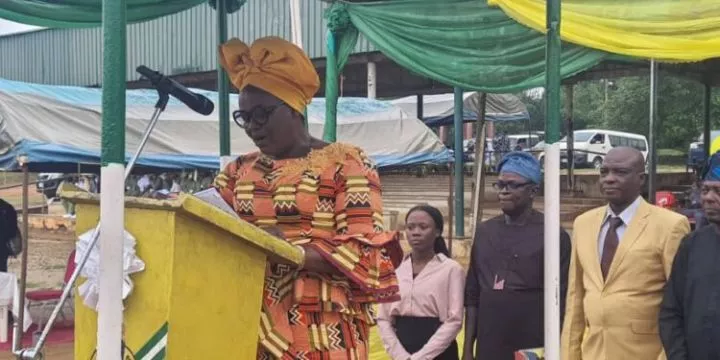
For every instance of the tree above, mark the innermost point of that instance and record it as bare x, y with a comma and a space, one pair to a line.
623, 105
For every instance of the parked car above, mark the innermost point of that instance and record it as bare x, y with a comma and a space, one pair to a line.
47, 184
524, 142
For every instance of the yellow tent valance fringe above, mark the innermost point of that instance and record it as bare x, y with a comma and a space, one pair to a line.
665, 30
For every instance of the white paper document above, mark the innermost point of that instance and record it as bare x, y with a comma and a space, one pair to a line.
212, 197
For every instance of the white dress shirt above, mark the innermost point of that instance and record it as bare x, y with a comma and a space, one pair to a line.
626, 216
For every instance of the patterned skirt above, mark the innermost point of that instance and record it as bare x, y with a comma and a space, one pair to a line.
319, 336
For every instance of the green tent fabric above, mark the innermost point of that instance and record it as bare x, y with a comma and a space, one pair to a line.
463, 43
231, 6
85, 13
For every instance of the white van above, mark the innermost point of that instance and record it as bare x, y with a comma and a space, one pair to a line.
524, 141
590, 146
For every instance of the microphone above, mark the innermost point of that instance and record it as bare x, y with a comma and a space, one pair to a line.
194, 101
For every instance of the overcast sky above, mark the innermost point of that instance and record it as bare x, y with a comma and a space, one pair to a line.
9, 27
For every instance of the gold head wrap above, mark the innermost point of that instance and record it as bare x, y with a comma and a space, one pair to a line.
274, 65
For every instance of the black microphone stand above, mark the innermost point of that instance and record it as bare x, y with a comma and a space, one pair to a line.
35, 353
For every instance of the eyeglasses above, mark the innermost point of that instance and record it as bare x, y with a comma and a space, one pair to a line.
705, 189
501, 185
259, 115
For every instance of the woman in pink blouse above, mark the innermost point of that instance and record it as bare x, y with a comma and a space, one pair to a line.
423, 325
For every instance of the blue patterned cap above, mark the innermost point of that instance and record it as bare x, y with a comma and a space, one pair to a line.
521, 163
712, 168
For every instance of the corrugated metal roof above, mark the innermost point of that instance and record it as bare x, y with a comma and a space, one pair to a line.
180, 43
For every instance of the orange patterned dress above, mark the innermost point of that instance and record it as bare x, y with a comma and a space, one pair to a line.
329, 201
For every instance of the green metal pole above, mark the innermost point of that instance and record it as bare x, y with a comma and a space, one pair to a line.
459, 166
113, 83
223, 84
112, 177
707, 141
332, 91
552, 84
551, 236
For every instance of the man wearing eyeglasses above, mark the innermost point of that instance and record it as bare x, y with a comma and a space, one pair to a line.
690, 311
621, 258
505, 284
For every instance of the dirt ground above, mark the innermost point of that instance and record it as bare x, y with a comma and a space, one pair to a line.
47, 260
14, 196
54, 352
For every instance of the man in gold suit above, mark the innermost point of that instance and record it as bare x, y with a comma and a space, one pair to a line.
621, 258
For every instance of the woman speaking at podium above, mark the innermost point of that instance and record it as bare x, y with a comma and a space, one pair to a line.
324, 198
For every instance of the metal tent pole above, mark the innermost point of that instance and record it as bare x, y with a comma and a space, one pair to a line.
419, 106
372, 80
18, 325
223, 85
652, 154
459, 166
296, 22
297, 39
451, 200
570, 100
707, 141
552, 184
478, 193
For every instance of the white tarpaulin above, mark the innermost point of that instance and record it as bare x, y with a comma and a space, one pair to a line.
57, 126
439, 109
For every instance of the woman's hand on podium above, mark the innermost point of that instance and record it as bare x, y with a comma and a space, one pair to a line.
275, 231
314, 262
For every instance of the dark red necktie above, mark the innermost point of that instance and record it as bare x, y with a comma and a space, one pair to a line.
610, 246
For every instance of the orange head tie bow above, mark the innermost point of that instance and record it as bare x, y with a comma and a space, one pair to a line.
274, 65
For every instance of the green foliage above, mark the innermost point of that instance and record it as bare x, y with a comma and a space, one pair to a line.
625, 107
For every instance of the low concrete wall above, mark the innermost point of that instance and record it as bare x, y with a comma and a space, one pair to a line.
589, 184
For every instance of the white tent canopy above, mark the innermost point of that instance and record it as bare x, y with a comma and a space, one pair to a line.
57, 126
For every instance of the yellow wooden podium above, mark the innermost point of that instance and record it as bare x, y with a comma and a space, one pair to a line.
200, 294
